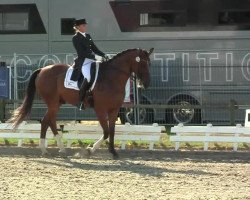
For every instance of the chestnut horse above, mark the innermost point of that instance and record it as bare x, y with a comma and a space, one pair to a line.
108, 94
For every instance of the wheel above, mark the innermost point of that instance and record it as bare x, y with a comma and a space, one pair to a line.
146, 115
183, 115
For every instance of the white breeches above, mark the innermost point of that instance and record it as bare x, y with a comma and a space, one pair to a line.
86, 68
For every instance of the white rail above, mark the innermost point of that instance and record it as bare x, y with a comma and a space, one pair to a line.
124, 133
230, 134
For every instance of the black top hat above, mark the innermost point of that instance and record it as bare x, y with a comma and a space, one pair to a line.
79, 22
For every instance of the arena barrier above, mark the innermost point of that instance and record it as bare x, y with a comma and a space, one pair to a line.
124, 133
231, 134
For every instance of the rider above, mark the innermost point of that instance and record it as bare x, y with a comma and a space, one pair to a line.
86, 50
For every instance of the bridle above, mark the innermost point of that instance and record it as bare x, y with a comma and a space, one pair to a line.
139, 60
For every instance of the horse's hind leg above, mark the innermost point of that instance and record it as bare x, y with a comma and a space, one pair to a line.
49, 120
53, 127
112, 119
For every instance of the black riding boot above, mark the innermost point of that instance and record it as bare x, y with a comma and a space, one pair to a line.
82, 93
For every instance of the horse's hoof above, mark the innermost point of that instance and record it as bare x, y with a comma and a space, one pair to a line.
62, 153
89, 151
115, 156
45, 154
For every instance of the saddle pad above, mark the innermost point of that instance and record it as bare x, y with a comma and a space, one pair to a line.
73, 84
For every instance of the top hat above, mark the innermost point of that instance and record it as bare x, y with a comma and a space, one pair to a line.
79, 22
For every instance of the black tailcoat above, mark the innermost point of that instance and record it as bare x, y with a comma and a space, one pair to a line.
85, 48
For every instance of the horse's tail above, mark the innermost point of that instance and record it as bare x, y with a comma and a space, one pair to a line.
24, 110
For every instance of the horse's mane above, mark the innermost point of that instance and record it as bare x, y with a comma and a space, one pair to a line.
120, 54
108, 65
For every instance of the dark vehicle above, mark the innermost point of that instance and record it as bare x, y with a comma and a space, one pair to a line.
199, 67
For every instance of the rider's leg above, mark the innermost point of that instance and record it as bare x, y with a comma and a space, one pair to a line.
83, 89
86, 68
82, 93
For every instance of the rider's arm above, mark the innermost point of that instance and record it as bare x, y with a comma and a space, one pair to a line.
94, 47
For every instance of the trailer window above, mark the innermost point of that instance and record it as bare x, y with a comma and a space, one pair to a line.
163, 19
181, 15
20, 19
16, 21
234, 17
67, 26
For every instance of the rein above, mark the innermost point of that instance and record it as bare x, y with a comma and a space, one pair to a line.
133, 75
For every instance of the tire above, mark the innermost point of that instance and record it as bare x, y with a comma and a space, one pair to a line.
183, 115
146, 115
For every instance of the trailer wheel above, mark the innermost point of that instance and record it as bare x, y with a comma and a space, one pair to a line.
183, 115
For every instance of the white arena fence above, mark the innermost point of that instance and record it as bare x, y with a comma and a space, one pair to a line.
206, 134
124, 133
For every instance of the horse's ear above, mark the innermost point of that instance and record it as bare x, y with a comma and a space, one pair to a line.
150, 51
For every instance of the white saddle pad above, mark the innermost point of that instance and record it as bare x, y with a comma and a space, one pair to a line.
73, 84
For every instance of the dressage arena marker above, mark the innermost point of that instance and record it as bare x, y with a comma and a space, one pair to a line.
123, 133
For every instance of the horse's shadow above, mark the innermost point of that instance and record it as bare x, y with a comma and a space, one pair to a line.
122, 166
131, 161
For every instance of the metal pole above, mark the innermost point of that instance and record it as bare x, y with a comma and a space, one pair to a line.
15, 82
232, 109
9, 68
137, 103
135, 94
2, 109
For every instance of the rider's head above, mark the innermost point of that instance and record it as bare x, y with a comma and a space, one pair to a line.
80, 25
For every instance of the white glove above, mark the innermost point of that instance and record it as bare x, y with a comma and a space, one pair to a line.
98, 58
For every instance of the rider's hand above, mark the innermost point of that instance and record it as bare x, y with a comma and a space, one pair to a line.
98, 58
105, 58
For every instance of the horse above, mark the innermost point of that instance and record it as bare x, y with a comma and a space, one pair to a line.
108, 94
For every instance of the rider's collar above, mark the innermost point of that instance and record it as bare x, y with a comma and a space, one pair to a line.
84, 34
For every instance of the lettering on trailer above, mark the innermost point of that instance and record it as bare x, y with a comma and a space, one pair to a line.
37, 61
206, 63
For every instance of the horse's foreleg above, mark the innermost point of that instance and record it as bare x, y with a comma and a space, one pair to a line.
96, 145
112, 119
60, 144
104, 124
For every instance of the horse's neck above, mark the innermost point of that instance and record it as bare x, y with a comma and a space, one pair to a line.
119, 70
123, 69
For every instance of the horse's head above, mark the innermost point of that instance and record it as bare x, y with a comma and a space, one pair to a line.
140, 66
